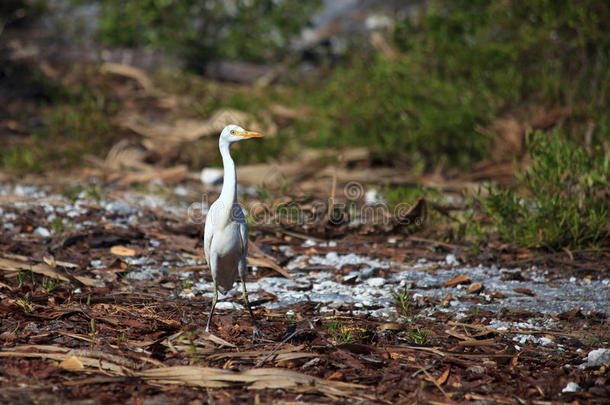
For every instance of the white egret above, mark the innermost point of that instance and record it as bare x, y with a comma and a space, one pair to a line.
226, 233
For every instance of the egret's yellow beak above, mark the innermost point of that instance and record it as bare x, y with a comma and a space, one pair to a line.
248, 134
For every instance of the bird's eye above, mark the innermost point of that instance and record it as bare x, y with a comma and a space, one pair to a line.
232, 132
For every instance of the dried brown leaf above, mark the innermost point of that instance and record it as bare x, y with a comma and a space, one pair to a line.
45, 270
475, 288
442, 379
122, 251
72, 363
459, 279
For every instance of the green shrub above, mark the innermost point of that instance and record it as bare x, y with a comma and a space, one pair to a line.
402, 111
460, 65
560, 201
74, 123
517, 49
256, 30
21, 159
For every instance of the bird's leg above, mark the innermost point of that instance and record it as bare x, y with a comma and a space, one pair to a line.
214, 299
256, 332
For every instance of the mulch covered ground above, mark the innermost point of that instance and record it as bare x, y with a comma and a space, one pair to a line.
65, 338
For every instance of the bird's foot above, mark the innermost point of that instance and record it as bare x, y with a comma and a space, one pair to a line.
258, 334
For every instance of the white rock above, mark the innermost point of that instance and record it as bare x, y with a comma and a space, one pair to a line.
544, 341
451, 260
181, 191
372, 197
227, 305
40, 231
376, 281
98, 264
571, 387
596, 358
211, 175
309, 243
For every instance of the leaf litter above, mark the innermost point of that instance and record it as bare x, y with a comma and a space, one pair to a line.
117, 299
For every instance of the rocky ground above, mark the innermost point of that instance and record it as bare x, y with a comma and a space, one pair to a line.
104, 296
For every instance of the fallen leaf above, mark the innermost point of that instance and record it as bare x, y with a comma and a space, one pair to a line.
72, 363
525, 291
459, 279
442, 379
497, 294
445, 301
45, 270
49, 260
475, 288
122, 251
389, 326
265, 262
571, 314
335, 376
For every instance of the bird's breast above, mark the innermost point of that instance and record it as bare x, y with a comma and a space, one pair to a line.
227, 241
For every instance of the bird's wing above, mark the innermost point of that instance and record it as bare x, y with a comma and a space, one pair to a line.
208, 233
243, 231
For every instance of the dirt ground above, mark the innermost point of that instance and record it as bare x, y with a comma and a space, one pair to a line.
78, 325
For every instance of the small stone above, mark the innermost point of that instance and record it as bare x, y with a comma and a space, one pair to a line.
544, 341
571, 387
376, 281
226, 305
97, 264
476, 370
451, 260
31, 327
40, 231
596, 358
211, 175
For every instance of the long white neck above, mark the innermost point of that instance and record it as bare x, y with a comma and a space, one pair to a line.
228, 195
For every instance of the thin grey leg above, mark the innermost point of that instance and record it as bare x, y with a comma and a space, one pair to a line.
214, 300
256, 332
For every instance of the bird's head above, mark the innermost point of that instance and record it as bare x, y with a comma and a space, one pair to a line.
235, 133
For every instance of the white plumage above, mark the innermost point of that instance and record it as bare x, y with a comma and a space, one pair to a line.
226, 233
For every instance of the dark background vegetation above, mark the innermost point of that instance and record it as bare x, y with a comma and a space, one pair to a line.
450, 87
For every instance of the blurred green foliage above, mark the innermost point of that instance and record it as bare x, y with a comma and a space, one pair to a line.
458, 66
562, 198
74, 123
201, 30
463, 63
